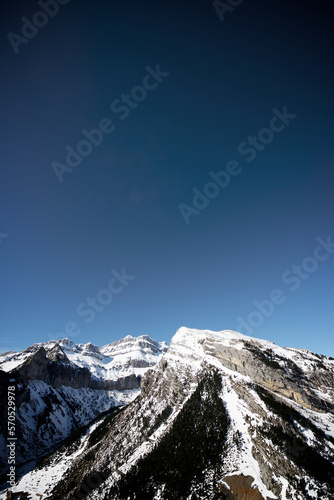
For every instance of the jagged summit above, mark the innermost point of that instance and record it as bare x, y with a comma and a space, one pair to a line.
125, 357
130, 344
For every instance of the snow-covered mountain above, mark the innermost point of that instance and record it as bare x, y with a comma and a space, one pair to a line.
220, 416
62, 386
118, 360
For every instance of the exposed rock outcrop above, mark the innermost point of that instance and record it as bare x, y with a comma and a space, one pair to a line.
282, 378
240, 488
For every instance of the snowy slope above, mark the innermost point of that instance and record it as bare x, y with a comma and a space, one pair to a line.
195, 347
38, 481
270, 409
280, 408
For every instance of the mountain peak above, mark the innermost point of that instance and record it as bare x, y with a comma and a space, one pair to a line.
220, 414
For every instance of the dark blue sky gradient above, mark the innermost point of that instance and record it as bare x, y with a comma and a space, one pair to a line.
120, 206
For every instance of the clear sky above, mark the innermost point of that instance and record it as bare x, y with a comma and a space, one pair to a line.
166, 164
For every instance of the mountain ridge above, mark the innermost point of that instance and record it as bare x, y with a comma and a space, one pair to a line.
256, 420
61, 386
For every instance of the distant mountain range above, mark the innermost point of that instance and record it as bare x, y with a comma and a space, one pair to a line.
216, 415
62, 386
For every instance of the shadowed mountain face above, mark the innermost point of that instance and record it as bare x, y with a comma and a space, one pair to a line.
219, 416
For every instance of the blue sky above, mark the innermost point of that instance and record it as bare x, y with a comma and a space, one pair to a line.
197, 93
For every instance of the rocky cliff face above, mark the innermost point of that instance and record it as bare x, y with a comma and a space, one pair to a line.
221, 415
55, 369
281, 375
